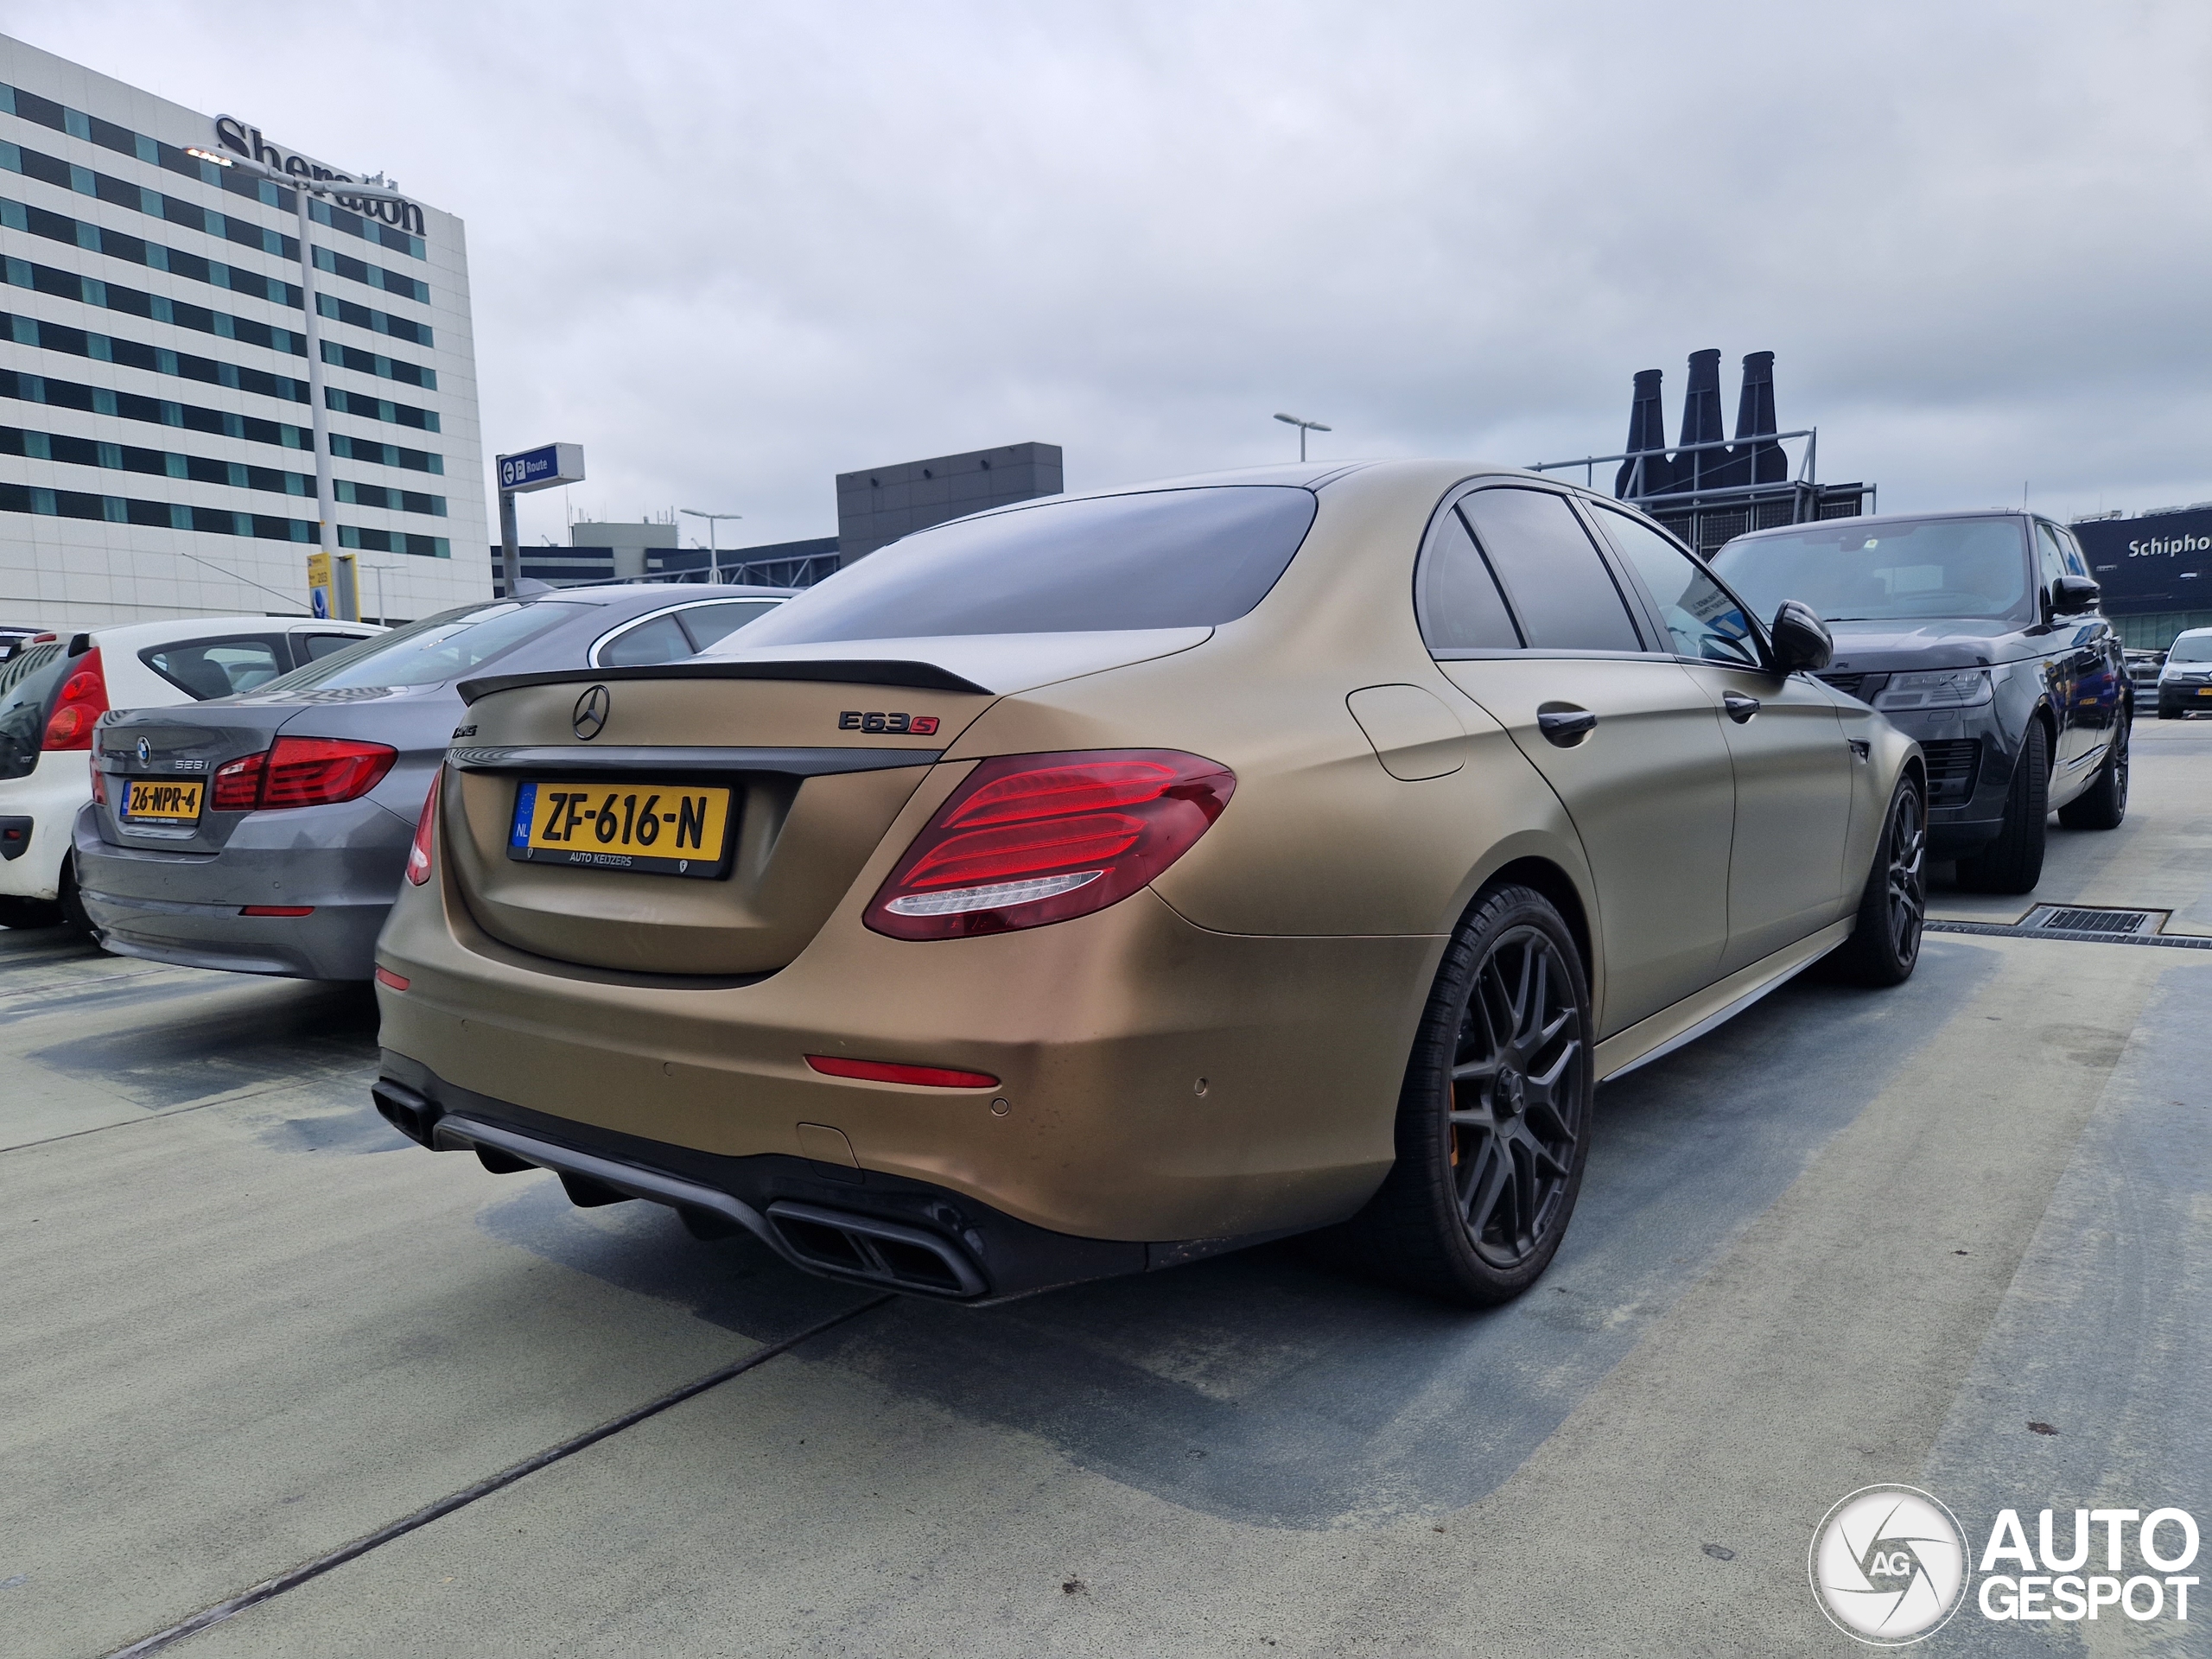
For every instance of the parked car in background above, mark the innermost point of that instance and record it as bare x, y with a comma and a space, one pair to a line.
15, 637
1978, 634
1100, 883
2185, 678
265, 833
57, 686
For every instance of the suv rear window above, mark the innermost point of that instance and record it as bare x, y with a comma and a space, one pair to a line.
1162, 559
31, 682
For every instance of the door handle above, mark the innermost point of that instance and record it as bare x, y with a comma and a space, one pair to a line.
1740, 707
1565, 726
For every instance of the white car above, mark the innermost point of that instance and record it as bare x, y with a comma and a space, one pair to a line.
54, 688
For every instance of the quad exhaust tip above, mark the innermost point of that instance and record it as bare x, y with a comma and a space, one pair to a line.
839, 1243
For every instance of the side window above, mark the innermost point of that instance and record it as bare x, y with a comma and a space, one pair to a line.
1551, 571
661, 641
707, 624
1704, 621
314, 647
216, 668
1455, 596
2051, 561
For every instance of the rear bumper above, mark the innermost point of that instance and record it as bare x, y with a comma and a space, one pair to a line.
39, 808
861, 1227
185, 907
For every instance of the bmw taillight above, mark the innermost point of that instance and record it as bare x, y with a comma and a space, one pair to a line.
302, 772
1029, 839
82, 700
419, 855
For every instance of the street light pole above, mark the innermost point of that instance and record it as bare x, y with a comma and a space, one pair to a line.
714, 553
325, 507
1304, 427
384, 617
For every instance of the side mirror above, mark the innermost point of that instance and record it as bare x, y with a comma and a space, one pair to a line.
1801, 639
2072, 595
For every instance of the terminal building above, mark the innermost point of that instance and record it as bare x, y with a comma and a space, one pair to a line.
875, 505
2155, 569
156, 449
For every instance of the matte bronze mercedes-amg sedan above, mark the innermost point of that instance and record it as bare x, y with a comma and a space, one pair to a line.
1097, 884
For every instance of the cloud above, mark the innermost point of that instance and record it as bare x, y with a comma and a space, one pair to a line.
734, 252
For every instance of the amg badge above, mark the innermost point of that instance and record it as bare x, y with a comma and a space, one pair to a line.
919, 725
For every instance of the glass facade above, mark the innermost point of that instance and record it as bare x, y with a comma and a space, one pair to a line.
131, 267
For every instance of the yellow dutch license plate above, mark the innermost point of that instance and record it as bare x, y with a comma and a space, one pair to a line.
653, 829
160, 800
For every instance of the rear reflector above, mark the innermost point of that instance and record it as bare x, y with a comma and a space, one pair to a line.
277, 909
926, 1077
1028, 839
385, 976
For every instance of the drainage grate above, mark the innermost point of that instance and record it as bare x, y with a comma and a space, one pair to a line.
2082, 920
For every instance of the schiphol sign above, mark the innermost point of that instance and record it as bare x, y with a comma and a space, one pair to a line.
2162, 561
240, 139
542, 468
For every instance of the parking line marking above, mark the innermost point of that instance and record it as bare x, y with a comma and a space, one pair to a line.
294, 1577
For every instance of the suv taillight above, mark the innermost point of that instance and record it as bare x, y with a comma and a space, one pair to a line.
302, 772
77, 709
419, 855
1028, 839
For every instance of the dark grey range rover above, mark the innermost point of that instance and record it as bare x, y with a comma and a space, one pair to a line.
1978, 634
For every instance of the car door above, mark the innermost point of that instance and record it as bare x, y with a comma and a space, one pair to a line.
1524, 614
2074, 650
1796, 771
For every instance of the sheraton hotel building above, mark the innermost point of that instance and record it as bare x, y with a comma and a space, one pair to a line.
157, 455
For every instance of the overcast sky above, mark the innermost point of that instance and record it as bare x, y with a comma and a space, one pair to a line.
734, 249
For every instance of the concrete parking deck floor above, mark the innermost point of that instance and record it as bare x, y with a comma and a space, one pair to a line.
1851, 1237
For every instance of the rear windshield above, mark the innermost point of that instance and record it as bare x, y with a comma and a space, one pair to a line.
1163, 559
429, 652
1898, 570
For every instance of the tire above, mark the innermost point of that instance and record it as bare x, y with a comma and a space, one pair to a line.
1885, 947
29, 913
2169, 710
2013, 862
2103, 804
1493, 1125
71, 907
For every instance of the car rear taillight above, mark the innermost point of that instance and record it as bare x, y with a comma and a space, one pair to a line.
1029, 839
99, 787
82, 700
419, 855
302, 772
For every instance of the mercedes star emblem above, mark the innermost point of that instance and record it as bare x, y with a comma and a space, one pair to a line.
591, 712
145, 750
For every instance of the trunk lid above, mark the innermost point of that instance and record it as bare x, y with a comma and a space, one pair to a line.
818, 759
190, 743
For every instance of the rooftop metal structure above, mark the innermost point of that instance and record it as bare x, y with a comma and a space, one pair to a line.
1709, 489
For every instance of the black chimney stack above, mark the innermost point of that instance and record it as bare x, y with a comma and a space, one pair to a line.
1702, 423
1758, 463
1647, 429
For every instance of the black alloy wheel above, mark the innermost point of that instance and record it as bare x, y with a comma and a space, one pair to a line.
1885, 946
2103, 804
1494, 1119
